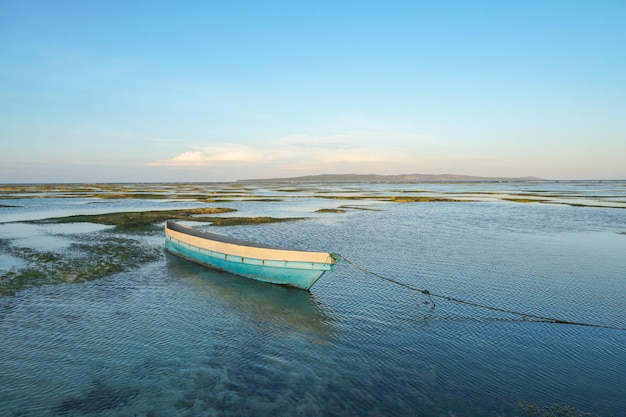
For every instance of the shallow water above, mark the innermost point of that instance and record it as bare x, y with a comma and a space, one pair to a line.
173, 338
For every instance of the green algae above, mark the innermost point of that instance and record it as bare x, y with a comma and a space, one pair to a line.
239, 221
141, 191
554, 410
423, 199
133, 220
355, 207
98, 255
263, 199
395, 198
293, 190
125, 196
565, 203
229, 192
100, 398
345, 207
84, 260
142, 220
237, 192
352, 197
521, 200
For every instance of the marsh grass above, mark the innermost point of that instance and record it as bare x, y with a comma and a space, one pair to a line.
522, 200
396, 198
555, 410
354, 207
98, 399
353, 197
138, 220
101, 254
293, 190
156, 191
265, 199
145, 220
230, 192
240, 221
125, 196
424, 199
84, 260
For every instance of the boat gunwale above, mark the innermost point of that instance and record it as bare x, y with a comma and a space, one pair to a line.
237, 247
219, 238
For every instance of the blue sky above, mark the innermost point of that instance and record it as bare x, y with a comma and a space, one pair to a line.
225, 90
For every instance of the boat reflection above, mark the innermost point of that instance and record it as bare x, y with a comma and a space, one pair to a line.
263, 304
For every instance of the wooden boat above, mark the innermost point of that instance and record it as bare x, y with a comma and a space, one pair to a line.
261, 262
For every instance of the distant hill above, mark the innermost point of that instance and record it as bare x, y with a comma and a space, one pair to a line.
390, 178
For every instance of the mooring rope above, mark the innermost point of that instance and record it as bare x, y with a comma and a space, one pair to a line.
535, 317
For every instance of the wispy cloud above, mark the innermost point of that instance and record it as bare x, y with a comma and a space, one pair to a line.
307, 150
210, 155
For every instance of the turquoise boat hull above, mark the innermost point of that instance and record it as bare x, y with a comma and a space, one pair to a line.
300, 269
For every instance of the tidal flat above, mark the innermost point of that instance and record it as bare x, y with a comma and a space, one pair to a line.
98, 320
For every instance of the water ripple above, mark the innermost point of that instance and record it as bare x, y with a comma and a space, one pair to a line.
173, 338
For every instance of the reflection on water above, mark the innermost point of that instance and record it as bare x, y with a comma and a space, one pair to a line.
260, 303
172, 338
7, 262
46, 237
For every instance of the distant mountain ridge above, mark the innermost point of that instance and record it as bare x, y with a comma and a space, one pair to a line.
390, 178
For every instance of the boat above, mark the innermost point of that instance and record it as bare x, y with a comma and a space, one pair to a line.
296, 268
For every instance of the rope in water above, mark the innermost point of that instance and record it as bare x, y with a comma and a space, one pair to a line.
430, 295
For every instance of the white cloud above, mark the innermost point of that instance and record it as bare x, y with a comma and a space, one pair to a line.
345, 152
213, 155
189, 158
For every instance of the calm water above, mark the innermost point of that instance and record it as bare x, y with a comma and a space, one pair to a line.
175, 339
